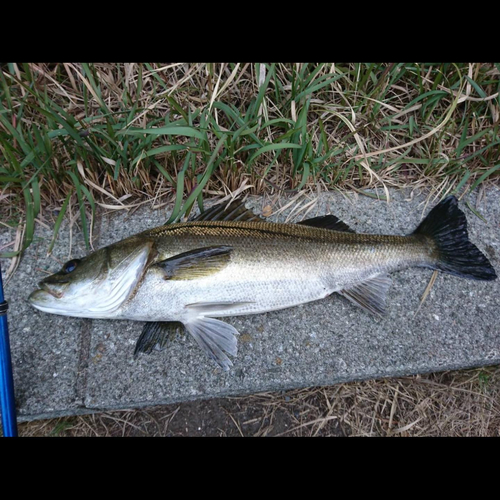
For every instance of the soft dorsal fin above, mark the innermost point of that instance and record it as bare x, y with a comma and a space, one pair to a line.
369, 295
196, 263
235, 211
327, 222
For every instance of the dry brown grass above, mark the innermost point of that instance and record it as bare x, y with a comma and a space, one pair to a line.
457, 403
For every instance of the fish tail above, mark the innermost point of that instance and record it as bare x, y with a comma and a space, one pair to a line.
446, 225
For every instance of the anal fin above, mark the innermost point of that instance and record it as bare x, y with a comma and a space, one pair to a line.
370, 295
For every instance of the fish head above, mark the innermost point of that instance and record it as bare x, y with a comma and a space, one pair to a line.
94, 286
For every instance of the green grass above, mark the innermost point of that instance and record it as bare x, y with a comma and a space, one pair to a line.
85, 135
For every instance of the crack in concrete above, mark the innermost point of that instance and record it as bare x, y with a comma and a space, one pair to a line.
83, 362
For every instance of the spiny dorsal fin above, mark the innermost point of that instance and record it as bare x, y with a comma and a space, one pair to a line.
235, 211
156, 335
370, 295
327, 222
196, 263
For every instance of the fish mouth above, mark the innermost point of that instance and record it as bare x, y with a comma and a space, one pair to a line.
41, 293
46, 288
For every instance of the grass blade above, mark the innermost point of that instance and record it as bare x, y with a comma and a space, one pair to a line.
272, 147
484, 176
175, 215
206, 176
170, 130
58, 223
81, 204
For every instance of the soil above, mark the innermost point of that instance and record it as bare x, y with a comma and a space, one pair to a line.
452, 403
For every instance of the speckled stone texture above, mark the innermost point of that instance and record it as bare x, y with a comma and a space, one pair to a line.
68, 365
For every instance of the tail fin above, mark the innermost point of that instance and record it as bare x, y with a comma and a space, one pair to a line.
447, 226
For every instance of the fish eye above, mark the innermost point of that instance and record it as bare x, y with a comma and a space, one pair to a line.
70, 266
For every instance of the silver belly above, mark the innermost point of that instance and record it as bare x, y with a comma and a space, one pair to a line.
240, 291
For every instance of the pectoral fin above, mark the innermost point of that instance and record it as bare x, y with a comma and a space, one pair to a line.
214, 308
370, 295
214, 337
196, 263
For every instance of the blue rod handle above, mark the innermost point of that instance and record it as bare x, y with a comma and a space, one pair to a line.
7, 402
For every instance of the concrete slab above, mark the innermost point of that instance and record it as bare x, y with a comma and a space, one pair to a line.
68, 365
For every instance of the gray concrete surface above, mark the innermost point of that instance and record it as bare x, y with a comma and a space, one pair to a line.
68, 365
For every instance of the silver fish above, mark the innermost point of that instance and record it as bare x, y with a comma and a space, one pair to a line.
229, 262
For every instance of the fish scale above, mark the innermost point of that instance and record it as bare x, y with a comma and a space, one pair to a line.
307, 264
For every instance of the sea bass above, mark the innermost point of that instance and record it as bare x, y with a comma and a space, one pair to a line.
229, 261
